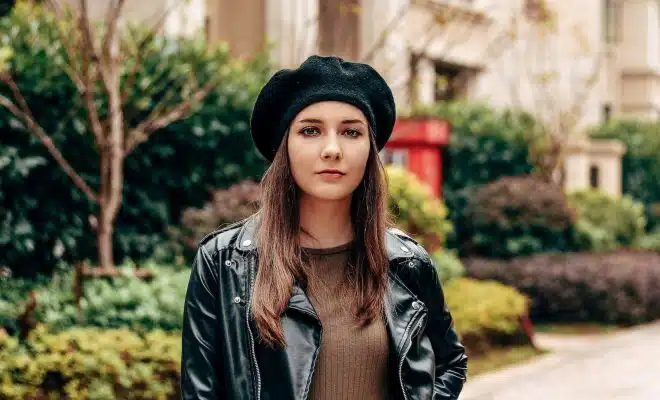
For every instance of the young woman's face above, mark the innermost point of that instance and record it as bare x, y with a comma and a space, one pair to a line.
328, 146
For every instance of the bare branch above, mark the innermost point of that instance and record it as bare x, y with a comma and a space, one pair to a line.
158, 120
67, 39
141, 48
22, 111
112, 20
88, 47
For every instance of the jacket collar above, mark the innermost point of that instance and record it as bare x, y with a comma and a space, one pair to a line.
246, 240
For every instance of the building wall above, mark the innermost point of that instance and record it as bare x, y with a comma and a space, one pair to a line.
183, 17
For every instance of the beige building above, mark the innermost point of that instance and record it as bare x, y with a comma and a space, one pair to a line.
474, 57
572, 63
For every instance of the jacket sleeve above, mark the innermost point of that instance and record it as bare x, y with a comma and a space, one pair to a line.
200, 354
450, 357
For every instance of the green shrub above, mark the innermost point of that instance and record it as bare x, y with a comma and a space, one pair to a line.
415, 209
619, 287
447, 264
485, 144
640, 163
90, 363
607, 222
13, 296
49, 221
515, 216
121, 302
650, 241
486, 314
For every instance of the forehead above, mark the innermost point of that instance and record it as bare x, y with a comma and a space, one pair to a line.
330, 111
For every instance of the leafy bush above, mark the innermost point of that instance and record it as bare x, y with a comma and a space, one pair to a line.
415, 209
49, 221
447, 264
90, 363
114, 303
486, 314
13, 296
515, 216
227, 206
607, 222
640, 164
650, 241
619, 287
485, 144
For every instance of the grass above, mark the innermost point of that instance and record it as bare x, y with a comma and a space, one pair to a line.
500, 358
577, 329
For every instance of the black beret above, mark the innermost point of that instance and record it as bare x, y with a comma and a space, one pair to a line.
317, 79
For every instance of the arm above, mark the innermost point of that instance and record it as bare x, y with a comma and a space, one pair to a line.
450, 357
200, 356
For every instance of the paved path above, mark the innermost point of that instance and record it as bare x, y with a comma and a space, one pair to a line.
622, 366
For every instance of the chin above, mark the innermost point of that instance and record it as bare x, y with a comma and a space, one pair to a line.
329, 193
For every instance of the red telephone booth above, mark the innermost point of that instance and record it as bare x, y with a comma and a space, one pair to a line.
416, 144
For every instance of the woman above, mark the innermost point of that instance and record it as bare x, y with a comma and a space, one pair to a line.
315, 297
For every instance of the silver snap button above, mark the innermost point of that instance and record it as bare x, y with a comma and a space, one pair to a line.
404, 248
411, 264
229, 263
246, 243
416, 305
237, 299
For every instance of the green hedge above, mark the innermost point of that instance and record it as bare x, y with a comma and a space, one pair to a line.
48, 222
609, 287
641, 162
607, 222
107, 303
416, 210
90, 363
486, 314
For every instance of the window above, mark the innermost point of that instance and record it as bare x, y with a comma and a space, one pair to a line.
339, 32
611, 24
395, 157
451, 81
607, 112
594, 176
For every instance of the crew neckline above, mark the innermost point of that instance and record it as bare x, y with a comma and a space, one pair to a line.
328, 250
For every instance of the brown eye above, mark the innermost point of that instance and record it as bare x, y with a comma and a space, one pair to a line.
352, 132
309, 131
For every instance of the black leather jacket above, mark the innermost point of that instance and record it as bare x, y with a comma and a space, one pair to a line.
222, 358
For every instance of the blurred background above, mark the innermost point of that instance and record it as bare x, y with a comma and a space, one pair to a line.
525, 158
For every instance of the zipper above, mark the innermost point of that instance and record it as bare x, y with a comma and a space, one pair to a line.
318, 350
415, 327
253, 353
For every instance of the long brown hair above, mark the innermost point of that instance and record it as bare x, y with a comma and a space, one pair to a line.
280, 256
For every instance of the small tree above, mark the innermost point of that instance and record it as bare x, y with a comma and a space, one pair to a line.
554, 71
103, 58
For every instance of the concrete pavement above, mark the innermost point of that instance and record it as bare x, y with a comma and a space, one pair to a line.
623, 366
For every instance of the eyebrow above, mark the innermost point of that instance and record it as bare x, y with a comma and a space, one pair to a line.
318, 121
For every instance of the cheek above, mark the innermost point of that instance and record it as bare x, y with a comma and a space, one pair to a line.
360, 155
300, 159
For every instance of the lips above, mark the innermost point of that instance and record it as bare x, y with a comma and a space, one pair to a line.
332, 172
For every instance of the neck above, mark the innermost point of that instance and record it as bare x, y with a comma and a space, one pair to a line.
325, 223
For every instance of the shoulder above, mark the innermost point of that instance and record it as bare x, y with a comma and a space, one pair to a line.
402, 243
222, 238
417, 272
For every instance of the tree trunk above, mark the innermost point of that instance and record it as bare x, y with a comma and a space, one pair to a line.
112, 156
104, 240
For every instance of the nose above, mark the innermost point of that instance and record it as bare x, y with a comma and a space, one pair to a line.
331, 149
